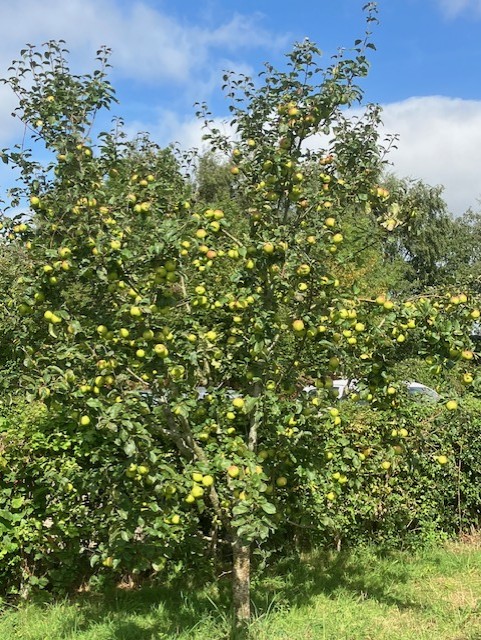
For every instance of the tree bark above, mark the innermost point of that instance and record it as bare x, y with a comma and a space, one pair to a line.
241, 569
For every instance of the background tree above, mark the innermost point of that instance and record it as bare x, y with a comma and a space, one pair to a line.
418, 250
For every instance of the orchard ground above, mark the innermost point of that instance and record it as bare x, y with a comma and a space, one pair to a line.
362, 595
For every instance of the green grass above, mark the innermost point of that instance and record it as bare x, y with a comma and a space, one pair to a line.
433, 595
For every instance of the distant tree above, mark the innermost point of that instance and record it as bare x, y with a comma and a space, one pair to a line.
418, 250
212, 180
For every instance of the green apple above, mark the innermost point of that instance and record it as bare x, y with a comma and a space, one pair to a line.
161, 350
238, 403
197, 491
207, 481
298, 326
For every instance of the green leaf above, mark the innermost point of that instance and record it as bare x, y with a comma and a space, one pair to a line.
269, 508
17, 502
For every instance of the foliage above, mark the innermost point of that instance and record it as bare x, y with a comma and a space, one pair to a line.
418, 249
170, 340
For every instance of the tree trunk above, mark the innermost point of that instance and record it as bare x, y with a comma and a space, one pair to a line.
241, 569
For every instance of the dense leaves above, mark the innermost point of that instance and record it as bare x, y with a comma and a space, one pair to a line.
170, 337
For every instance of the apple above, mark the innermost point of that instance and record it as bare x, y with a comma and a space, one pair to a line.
334, 363
197, 477
197, 491
281, 481
386, 465
233, 471
135, 312
161, 350
85, 421
268, 248
303, 270
337, 238
207, 481
451, 405
298, 326
238, 403
442, 459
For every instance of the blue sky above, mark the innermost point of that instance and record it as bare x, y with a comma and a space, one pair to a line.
426, 72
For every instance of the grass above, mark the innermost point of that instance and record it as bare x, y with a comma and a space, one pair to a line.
433, 595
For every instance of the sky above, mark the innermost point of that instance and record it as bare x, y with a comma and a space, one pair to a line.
168, 55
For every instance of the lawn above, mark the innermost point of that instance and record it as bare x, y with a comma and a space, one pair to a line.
361, 595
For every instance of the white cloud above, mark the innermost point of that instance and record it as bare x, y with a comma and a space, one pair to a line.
9, 126
170, 128
147, 44
453, 8
439, 142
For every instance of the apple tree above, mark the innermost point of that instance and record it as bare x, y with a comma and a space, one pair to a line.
171, 339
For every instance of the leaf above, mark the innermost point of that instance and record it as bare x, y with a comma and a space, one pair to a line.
51, 330
269, 508
130, 448
17, 502
250, 403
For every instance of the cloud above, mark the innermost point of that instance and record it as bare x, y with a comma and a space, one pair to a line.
185, 132
452, 8
151, 48
440, 143
147, 44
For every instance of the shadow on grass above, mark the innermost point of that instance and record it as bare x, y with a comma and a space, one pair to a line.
150, 612
358, 575
177, 609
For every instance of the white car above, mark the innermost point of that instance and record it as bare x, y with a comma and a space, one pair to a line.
344, 386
